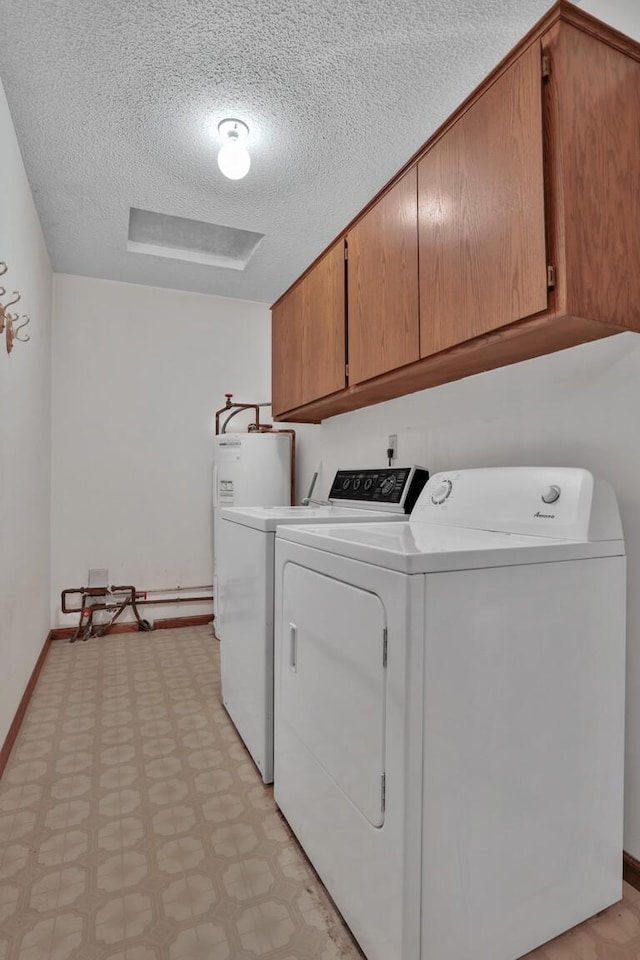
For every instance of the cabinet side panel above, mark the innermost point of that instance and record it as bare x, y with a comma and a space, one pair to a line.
383, 284
323, 360
481, 214
286, 353
598, 90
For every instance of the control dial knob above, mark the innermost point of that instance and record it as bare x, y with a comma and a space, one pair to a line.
368, 483
346, 483
441, 492
388, 484
551, 494
356, 483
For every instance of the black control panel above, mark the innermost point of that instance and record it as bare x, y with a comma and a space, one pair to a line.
388, 486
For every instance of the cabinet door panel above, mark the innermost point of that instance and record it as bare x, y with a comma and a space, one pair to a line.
286, 352
597, 130
481, 214
323, 360
382, 284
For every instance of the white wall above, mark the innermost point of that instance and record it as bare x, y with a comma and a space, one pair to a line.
579, 407
25, 388
137, 374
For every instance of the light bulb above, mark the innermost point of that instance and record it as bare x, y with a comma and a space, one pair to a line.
234, 160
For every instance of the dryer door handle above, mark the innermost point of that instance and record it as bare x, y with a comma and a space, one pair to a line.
293, 647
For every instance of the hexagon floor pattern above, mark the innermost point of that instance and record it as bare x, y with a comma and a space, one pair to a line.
134, 825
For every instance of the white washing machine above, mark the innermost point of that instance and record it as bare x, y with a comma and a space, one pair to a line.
245, 540
449, 712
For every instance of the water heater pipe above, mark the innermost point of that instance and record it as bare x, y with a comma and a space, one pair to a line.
237, 408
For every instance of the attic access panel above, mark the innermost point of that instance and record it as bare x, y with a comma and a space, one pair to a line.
180, 238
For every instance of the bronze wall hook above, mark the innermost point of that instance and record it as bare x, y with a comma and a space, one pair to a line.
16, 298
12, 330
4, 308
10, 333
25, 338
9, 321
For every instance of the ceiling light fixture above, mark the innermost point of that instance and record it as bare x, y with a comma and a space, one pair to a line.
233, 159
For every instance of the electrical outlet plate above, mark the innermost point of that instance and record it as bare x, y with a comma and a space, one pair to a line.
392, 444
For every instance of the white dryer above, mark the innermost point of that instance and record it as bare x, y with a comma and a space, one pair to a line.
449, 712
245, 541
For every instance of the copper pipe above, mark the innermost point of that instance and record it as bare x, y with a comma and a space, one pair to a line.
229, 405
140, 598
267, 428
178, 600
127, 596
201, 586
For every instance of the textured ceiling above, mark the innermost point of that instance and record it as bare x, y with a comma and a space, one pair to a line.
116, 105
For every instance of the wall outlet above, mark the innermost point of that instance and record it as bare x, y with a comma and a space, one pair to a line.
392, 444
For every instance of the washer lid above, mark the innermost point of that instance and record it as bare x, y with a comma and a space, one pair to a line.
432, 548
268, 518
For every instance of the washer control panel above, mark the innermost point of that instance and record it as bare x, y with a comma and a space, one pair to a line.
382, 488
544, 502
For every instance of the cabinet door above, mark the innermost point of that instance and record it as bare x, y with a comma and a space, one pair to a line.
382, 284
323, 358
286, 352
481, 214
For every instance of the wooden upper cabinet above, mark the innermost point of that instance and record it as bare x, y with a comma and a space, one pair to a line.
323, 356
481, 213
382, 271
286, 352
594, 141
308, 336
448, 270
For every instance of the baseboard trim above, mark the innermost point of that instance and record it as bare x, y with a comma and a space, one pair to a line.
170, 623
14, 729
631, 870
65, 633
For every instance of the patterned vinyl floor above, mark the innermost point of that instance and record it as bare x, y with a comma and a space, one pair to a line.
134, 826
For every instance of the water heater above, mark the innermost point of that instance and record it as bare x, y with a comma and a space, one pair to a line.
249, 470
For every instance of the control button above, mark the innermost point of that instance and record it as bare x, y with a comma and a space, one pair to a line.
388, 484
356, 483
346, 483
368, 483
552, 494
441, 492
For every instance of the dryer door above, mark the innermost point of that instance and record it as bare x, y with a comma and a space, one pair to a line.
333, 682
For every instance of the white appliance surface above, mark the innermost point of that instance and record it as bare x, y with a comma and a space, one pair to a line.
502, 704
346, 734
268, 518
428, 548
251, 468
244, 612
248, 468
